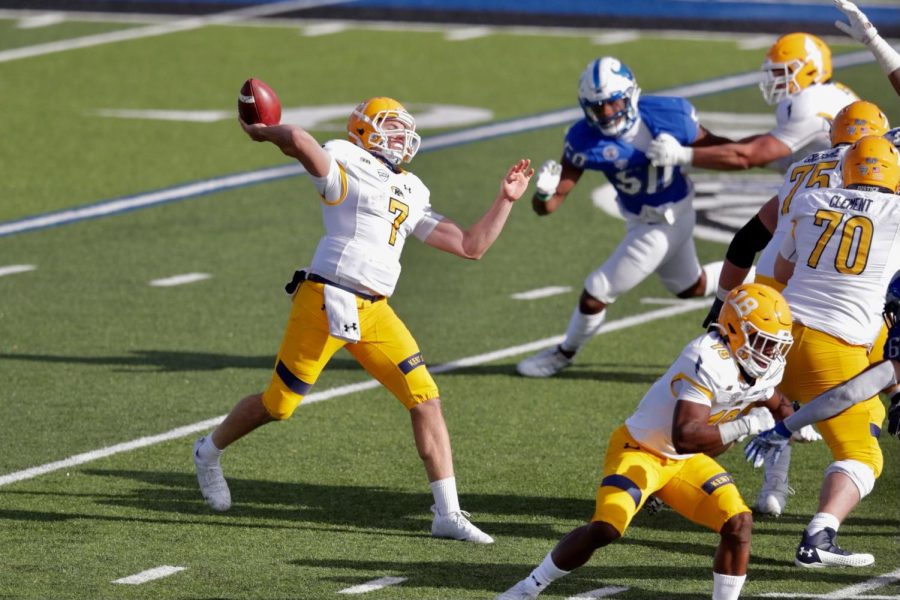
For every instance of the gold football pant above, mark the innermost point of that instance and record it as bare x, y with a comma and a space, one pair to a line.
698, 488
817, 362
386, 350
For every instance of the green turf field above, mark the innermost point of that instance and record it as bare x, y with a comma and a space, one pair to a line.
92, 356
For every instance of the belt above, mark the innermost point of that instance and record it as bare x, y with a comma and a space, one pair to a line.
301, 276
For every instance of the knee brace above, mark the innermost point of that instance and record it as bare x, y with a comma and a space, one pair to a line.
861, 474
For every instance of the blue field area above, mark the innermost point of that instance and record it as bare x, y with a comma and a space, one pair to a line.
815, 16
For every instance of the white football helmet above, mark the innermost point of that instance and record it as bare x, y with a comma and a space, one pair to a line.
606, 80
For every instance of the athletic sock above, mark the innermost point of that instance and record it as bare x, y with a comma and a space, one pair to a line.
820, 521
207, 452
581, 328
727, 587
446, 499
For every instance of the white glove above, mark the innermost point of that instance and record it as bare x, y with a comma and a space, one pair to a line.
806, 434
771, 441
665, 151
755, 421
859, 28
547, 179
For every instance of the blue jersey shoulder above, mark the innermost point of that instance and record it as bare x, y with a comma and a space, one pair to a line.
667, 114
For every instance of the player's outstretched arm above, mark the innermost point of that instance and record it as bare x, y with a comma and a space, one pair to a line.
861, 29
293, 141
473, 242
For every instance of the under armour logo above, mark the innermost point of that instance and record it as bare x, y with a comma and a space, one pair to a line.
407, 188
807, 552
350, 326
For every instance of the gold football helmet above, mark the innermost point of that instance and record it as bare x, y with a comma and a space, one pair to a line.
872, 162
793, 63
756, 323
857, 119
397, 142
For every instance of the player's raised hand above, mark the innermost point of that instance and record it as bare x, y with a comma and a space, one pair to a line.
547, 180
516, 181
859, 28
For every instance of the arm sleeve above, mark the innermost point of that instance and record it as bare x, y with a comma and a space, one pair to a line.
332, 187
839, 398
427, 223
751, 238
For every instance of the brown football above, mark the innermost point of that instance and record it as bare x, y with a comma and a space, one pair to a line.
258, 103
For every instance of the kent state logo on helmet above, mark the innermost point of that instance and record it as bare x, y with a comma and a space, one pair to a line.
793, 63
606, 80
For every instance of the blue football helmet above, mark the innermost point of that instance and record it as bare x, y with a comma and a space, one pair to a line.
893, 136
892, 301
607, 80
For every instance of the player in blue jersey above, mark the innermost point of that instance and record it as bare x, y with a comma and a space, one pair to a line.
617, 128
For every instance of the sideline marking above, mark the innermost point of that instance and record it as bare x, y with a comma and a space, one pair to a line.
371, 586
163, 28
13, 269
851, 592
599, 593
180, 279
544, 292
149, 575
437, 142
186, 430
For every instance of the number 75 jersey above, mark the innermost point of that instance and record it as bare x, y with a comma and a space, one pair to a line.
368, 211
846, 246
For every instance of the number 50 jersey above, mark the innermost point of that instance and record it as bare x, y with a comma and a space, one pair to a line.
368, 210
846, 246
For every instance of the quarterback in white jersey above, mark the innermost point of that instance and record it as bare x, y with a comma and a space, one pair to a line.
370, 205
699, 408
797, 77
843, 250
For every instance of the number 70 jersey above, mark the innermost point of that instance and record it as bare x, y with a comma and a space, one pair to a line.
846, 246
368, 211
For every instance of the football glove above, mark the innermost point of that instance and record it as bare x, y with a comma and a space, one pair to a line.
806, 434
894, 416
859, 28
771, 440
665, 151
547, 180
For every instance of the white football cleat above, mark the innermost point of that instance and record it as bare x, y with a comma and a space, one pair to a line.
545, 363
821, 550
772, 497
457, 526
212, 481
775, 490
527, 589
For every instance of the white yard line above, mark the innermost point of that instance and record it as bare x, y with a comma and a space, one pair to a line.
544, 292
850, 593
437, 142
13, 269
180, 432
166, 28
371, 586
180, 279
599, 593
149, 575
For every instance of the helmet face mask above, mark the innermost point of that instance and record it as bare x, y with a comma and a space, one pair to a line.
756, 323
385, 128
793, 63
856, 120
608, 95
